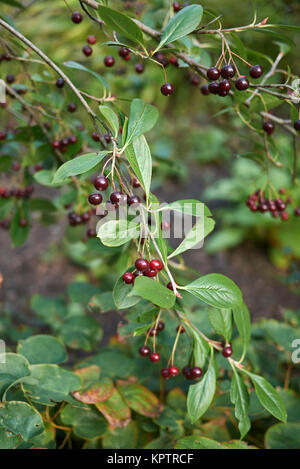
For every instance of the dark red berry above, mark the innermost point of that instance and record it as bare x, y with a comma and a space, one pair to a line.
242, 83
15, 166
182, 329
165, 373
134, 200
228, 71
56, 144
297, 212
297, 124
115, 197
87, 50
123, 52
167, 89
195, 79
187, 372
60, 82
196, 372
205, 89
136, 183
224, 85
160, 326
109, 61
95, 199
38, 167
128, 277
154, 357
161, 58
156, 264
170, 286
10, 79
3, 135
282, 190
176, 7
150, 273
213, 87
101, 183
256, 71
137, 273
213, 73
23, 222
173, 371
284, 216
227, 351
95, 137
92, 39
144, 351
76, 17
107, 138
174, 61
73, 139
91, 233
141, 264
268, 127
72, 107
139, 68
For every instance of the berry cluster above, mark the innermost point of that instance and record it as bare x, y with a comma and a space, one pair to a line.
277, 207
143, 267
62, 144
227, 72
18, 193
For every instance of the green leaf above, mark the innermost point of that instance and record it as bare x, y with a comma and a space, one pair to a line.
118, 232
13, 3
45, 178
200, 395
111, 118
79, 165
21, 419
183, 23
121, 437
87, 424
200, 349
189, 207
240, 398
198, 442
216, 290
283, 436
122, 295
81, 332
42, 349
140, 399
195, 236
142, 118
51, 384
8, 440
153, 291
121, 24
221, 321
242, 320
12, 370
77, 66
82, 292
139, 157
268, 396
19, 234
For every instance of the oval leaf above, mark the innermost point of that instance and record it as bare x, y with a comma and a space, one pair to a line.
79, 165
139, 157
153, 291
117, 232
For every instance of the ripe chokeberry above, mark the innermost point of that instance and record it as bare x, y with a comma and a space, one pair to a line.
109, 61
95, 137
23, 222
128, 277
196, 372
173, 371
3, 135
187, 372
141, 264
92, 39
101, 183
15, 166
297, 212
174, 61
224, 85
165, 373
60, 82
134, 200
156, 264
167, 89
73, 139
182, 329
256, 71
268, 127
144, 351
205, 89
227, 351
115, 197
150, 273
87, 50
284, 216
91, 233
136, 183
213, 73
95, 199
176, 7
213, 87
139, 68
160, 326
107, 138
242, 83
154, 357
72, 107
10, 78
124, 52
76, 17
297, 124
228, 71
